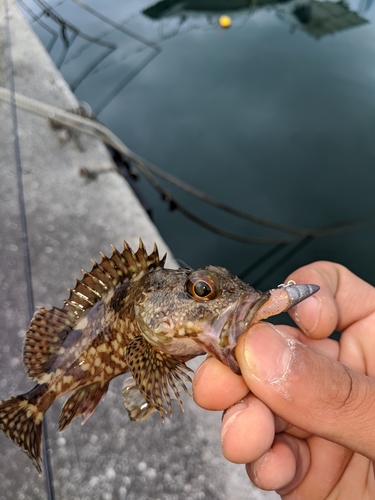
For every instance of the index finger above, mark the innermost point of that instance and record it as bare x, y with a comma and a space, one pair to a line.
343, 299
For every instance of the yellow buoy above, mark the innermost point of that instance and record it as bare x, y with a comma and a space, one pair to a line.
225, 21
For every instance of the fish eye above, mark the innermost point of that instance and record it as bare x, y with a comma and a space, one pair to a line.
203, 286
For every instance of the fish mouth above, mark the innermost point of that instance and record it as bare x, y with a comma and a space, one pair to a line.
241, 317
239, 320
221, 337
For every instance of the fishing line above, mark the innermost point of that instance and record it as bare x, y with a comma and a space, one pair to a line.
24, 235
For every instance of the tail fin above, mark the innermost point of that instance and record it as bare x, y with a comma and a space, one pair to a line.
21, 421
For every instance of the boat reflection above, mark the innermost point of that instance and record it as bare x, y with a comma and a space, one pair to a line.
314, 17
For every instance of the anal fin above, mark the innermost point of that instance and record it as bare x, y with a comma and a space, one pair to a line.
83, 402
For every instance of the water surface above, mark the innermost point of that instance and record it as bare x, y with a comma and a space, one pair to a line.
275, 115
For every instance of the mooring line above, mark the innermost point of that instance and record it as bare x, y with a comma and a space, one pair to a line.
24, 233
150, 172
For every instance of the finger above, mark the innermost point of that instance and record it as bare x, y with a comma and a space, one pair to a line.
328, 462
282, 425
296, 468
342, 300
283, 467
216, 387
328, 347
311, 391
248, 430
357, 346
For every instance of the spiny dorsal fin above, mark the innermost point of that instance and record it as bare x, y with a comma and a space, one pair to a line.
47, 331
49, 328
109, 273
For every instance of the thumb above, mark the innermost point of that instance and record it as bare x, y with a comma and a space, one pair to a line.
307, 389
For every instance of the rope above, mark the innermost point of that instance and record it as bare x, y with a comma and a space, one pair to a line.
97, 129
336, 228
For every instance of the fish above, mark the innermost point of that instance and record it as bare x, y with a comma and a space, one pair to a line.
130, 314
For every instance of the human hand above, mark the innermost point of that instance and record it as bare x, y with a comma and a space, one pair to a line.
305, 423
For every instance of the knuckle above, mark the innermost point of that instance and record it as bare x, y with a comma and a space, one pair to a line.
353, 395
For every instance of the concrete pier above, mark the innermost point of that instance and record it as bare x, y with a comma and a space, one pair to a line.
69, 220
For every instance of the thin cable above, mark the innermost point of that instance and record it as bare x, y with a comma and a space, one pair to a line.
45, 26
67, 42
49, 12
125, 81
24, 236
89, 69
252, 267
118, 26
282, 260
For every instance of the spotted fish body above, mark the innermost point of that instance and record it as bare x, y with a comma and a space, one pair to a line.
131, 315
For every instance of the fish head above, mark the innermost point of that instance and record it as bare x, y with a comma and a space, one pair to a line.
186, 313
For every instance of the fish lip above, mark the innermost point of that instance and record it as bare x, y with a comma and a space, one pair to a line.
220, 337
241, 317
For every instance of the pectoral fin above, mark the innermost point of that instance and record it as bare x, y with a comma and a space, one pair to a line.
156, 373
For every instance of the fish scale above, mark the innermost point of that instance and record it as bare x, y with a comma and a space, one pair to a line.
131, 315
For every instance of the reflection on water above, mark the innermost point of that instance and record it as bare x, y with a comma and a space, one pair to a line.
320, 18
317, 18
274, 116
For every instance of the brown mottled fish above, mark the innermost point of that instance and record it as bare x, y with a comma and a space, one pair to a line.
130, 314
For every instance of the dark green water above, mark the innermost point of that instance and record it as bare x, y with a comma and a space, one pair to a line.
271, 116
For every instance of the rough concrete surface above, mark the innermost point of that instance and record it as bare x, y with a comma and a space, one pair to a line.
70, 219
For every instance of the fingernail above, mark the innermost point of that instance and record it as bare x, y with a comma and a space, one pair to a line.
230, 415
306, 314
257, 463
267, 352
